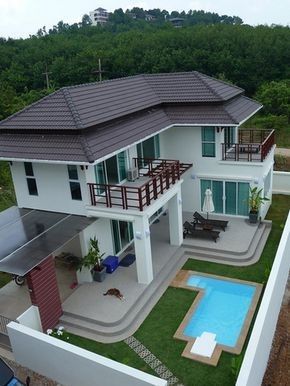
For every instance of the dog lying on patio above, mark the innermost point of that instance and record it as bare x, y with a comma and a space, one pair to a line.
114, 292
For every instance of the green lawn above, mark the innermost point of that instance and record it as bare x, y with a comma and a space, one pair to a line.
157, 331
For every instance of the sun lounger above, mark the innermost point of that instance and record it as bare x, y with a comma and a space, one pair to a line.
191, 231
199, 219
204, 345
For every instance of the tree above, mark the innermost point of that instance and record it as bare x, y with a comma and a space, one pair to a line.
275, 96
86, 21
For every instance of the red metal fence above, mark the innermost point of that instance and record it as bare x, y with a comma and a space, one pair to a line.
254, 145
162, 175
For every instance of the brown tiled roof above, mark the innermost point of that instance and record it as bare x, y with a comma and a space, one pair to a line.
84, 123
86, 105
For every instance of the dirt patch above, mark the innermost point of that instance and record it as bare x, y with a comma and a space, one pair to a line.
278, 369
282, 163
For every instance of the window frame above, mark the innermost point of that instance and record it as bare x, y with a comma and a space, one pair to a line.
205, 142
73, 179
30, 179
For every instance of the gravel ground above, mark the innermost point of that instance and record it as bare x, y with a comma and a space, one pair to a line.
278, 369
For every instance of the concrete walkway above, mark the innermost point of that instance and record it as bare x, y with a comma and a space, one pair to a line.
282, 151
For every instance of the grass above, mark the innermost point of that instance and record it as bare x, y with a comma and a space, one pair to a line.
157, 331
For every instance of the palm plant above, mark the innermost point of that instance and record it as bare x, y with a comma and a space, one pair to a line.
93, 259
256, 199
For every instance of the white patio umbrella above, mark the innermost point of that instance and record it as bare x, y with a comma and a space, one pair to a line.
208, 205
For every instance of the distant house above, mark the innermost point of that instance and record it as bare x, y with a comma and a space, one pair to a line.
99, 16
177, 21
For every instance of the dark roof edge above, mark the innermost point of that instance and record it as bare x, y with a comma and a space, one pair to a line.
29, 107
72, 108
221, 81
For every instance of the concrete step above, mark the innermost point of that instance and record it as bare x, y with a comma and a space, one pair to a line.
250, 257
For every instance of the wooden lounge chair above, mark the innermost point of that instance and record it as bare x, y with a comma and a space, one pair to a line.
199, 219
191, 231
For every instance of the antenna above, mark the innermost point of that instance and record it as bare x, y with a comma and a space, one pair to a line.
46, 73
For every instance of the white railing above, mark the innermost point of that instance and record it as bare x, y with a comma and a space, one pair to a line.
259, 347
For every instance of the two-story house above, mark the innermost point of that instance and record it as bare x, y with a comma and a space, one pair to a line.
122, 150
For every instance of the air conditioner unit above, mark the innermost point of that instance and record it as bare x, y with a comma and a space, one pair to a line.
132, 174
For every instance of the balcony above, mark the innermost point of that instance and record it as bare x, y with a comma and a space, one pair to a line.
253, 146
155, 178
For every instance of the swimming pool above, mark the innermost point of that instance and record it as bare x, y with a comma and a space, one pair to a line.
222, 309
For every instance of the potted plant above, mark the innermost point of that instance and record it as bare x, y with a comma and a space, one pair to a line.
93, 261
255, 202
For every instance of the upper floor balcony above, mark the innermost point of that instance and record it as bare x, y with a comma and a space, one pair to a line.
253, 145
153, 178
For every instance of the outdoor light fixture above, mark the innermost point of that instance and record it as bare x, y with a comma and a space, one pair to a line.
138, 235
193, 176
147, 232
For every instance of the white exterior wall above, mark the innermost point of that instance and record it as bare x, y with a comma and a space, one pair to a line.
259, 347
70, 365
184, 143
53, 188
101, 228
281, 183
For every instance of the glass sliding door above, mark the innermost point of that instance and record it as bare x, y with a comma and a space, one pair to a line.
122, 165
112, 170
122, 234
243, 198
229, 197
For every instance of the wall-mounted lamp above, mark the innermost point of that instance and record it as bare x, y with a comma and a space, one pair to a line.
147, 232
138, 235
256, 181
193, 176
180, 201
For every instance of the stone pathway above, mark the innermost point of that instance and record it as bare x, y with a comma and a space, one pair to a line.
160, 369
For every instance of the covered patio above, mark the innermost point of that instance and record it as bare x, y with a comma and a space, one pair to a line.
87, 312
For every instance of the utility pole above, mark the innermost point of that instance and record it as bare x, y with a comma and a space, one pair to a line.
46, 73
99, 71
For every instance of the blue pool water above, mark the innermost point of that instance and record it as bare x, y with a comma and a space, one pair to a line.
222, 310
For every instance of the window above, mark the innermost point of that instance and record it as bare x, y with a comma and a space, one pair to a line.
31, 181
208, 141
229, 197
75, 186
149, 148
122, 234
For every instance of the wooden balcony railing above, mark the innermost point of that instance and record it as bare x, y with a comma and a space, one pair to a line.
254, 145
162, 174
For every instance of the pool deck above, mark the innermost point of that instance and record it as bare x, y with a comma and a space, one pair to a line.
180, 281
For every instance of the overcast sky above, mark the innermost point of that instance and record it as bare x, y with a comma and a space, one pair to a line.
20, 18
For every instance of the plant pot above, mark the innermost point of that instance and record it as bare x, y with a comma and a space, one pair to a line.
99, 275
253, 217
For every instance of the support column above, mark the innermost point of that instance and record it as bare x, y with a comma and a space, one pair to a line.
175, 219
143, 250
44, 293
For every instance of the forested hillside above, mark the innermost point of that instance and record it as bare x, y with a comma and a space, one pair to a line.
250, 57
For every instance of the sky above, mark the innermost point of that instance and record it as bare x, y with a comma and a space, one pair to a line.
21, 18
